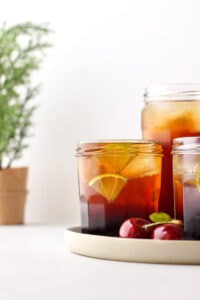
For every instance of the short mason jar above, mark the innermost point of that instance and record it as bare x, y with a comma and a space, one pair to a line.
118, 179
170, 111
186, 181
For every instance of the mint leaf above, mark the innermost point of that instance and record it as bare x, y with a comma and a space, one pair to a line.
160, 217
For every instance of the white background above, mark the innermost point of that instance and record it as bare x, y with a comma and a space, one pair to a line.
105, 53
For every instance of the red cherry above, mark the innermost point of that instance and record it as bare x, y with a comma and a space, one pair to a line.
167, 232
133, 228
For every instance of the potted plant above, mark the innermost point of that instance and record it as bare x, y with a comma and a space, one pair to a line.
21, 53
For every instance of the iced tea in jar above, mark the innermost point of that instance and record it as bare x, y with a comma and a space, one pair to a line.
186, 179
170, 111
117, 180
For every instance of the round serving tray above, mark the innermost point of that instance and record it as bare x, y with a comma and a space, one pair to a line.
132, 250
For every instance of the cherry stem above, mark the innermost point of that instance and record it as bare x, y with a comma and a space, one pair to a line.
173, 221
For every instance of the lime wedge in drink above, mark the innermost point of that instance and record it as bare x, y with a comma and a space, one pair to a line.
197, 176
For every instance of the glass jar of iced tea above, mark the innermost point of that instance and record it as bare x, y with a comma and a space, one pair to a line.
117, 180
186, 179
170, 111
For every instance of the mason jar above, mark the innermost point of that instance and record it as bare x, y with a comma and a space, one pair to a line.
170, 111
118, 179
186, 180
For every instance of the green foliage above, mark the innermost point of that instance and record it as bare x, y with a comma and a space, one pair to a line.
21, 53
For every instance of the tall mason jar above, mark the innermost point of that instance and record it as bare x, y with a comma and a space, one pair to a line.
170, 111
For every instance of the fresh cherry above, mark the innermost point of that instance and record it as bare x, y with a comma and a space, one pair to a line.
135, 228
167, 231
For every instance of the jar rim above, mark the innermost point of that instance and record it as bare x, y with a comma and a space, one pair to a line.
187, 140
99, 147
172, 92
118, 141
186, 144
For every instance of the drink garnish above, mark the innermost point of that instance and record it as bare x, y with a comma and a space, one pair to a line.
197, 176
108, 185
160, 217
141, 166
116, 158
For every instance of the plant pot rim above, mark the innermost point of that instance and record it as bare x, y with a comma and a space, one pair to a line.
14, 168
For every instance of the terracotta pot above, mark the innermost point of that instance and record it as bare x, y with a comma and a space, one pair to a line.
12, 195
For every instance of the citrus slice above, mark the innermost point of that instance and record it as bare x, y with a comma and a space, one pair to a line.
108, 185
141, 166
116, 158
197, 176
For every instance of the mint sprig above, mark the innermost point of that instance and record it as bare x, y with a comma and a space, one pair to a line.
159, 217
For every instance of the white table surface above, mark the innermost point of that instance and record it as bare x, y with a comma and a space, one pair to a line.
36, 264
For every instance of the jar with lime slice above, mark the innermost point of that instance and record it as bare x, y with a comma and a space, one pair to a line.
186, 182
118, 179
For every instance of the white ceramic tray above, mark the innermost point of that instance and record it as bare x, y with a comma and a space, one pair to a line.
132, 250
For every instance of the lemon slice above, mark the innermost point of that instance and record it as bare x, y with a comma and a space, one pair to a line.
115, 163
108, 185
141, 166
197, 176
116, 158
